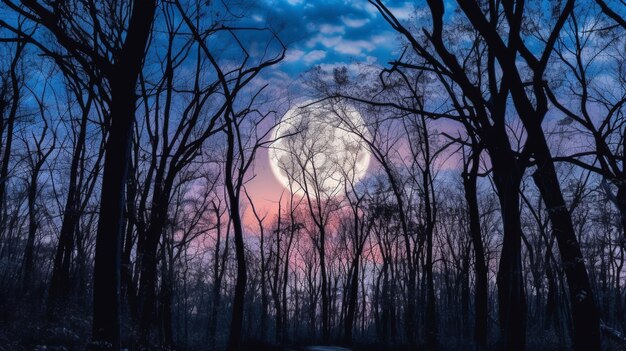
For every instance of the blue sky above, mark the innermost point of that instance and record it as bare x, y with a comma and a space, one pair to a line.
324, 33
329, 32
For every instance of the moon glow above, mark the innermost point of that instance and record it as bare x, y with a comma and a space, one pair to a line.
319, 149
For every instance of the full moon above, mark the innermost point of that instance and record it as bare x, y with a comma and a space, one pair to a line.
319, 149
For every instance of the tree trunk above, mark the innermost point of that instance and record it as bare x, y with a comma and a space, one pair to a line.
106, 276
29, 252
325, 290
511, 298
218, 270
352, 301
431, 303
106, 287
59, 282
585, 315
167, 279
232, 188
480, 267
6, 157
148, 253
283, 336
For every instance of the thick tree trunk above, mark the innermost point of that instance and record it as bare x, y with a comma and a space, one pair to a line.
106, 276
106, 289
585, 315
511, 298
512, 302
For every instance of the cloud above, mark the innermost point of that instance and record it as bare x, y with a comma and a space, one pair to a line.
354, 22
371, 60
354, 47
313, 56
403, 12
324, 40
385, 39
297, 55
293, 55
331, 29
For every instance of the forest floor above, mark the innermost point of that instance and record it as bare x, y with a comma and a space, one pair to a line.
338, 348
260, 346
322, 348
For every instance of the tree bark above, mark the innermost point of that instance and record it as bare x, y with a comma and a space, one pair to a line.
106, 286
232, 189
59, 282
585, 315
29, 252
511, 298
10, 123
480, 267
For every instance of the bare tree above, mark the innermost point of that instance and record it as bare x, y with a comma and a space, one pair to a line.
43, 146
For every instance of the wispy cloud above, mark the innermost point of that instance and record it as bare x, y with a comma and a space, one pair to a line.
354, 22
354, 47
314, 56
331, 29
293, 55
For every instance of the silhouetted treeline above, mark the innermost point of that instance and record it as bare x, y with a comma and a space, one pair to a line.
492, 217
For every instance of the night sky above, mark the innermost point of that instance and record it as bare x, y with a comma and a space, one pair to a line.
328, 33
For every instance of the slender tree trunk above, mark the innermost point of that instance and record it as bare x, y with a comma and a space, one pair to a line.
218, 270
167, 279
147, 287
59, 282
480, 267
240, 286
325, 290
29, 252
8, 144
621, 206
285, 279
264, 298
232, 188
431, 307
352, 301
128, 285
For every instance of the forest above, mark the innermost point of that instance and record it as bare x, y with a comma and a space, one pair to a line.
330, 175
